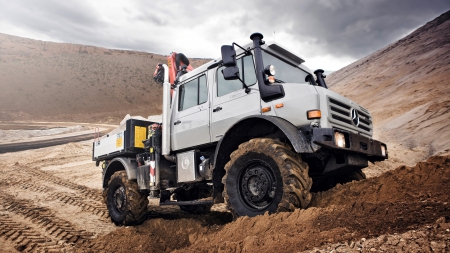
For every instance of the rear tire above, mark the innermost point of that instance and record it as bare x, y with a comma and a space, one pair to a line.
126, 205
265, 175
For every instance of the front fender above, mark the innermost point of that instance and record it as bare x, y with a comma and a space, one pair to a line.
117, 164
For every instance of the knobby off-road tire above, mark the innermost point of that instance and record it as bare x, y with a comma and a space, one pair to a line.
265, 175
326, 183
193, 193
126, 205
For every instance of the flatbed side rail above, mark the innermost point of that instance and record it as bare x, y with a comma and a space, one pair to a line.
97, 135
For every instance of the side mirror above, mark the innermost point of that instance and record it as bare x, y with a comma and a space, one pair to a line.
228, 56
230, 73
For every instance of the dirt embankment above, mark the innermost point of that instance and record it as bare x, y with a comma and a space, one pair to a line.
401, 201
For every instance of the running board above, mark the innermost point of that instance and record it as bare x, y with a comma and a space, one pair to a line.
186, 203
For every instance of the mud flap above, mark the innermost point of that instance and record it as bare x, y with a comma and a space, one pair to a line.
143, 177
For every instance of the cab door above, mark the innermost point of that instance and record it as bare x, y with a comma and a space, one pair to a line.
190, 122
230, 102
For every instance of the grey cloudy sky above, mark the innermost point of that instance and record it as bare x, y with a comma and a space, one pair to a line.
328, 34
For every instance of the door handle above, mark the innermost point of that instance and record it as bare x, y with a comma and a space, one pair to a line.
177, 122
217, 109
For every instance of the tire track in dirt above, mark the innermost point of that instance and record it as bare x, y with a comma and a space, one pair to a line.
24, 238
68, 198
44, 218
35, 188
97, 209
94, 194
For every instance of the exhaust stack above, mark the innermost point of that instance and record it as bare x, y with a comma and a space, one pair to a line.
166, 113
321, 78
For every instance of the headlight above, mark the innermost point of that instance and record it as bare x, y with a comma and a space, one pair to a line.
269, 70
339, 139
383, 150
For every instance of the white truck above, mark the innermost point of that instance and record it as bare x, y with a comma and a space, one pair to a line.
253, 129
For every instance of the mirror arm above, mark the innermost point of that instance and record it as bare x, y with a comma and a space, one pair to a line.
247, 89
246, 51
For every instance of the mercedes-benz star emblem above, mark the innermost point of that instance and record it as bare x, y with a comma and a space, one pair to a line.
355, 117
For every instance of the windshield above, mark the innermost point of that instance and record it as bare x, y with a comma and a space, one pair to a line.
284, 72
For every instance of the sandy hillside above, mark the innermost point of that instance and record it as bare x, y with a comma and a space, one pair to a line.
66, 82
406, 88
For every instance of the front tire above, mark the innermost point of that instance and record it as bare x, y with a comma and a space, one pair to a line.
265, 175
126, 205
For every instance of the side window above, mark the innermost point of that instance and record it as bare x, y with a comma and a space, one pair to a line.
249, 71
192, 93
203, 90
246, 71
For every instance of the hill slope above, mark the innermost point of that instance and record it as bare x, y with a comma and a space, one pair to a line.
405, 87
58, 81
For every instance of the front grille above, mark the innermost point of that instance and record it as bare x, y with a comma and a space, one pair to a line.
363, 109
342, 113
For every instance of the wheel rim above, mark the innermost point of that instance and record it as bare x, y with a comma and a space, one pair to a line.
257, 185
120, 199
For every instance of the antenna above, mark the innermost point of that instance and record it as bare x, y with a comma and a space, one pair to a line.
273, 36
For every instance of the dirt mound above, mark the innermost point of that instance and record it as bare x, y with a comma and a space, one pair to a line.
428, 179
398, 202
165, 233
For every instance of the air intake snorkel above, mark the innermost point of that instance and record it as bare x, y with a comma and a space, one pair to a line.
267, 91
321, 78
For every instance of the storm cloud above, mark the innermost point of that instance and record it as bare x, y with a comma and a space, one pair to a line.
327, 33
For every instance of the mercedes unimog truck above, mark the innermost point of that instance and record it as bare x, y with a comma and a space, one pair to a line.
255, 129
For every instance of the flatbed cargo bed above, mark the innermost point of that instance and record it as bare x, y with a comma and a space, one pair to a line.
124, 143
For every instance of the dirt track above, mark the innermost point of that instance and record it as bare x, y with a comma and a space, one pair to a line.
14, 147
50, 200
35, 143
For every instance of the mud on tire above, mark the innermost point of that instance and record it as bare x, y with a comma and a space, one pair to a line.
265, 175
126, 205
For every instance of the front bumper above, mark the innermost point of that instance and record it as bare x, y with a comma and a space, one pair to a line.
355, 143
